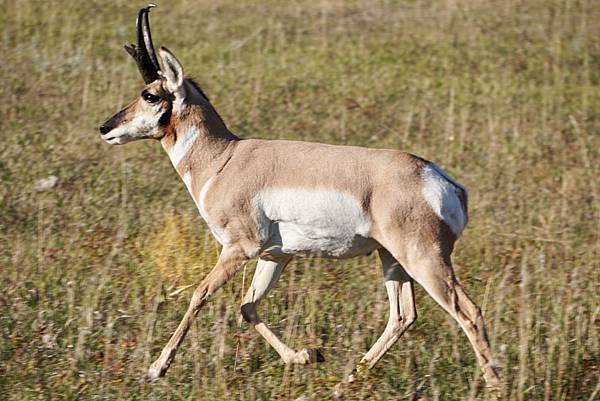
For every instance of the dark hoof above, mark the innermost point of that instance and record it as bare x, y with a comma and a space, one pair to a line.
314, 355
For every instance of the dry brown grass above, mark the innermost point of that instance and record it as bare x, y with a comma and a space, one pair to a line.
504, 95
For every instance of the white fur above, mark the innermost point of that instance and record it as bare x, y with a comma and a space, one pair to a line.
440, 192
187, 180
141, 126
219, 232
266, 275
308, 221
183, 145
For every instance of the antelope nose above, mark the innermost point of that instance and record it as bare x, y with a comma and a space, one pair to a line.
104, 129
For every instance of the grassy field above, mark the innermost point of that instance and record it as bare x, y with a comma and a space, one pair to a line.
505, 95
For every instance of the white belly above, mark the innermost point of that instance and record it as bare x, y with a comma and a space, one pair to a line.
313, 222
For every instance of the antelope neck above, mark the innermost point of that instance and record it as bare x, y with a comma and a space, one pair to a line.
198, 146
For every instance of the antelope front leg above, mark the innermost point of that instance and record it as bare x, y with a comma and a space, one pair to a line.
230, 261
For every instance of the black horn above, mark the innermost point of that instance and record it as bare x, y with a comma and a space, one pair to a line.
143, 53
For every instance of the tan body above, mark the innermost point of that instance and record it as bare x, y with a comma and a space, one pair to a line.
278, 199
375, 178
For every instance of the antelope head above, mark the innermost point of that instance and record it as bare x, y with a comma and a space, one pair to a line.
149, 114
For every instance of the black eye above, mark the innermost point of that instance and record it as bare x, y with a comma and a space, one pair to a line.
149, 97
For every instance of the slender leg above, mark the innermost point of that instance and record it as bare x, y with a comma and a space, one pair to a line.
435, 274
402, 309
266, 275
399, 287
230, 261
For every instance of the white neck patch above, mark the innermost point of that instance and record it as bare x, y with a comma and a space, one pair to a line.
183, 145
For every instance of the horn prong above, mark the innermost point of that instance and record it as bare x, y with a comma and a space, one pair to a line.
130, 49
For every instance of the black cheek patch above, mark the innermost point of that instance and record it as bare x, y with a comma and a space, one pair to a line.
165, 118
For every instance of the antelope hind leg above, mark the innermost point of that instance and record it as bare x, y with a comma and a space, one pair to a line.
266, 275
434, 272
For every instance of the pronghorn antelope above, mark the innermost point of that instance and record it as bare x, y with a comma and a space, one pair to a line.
276, 199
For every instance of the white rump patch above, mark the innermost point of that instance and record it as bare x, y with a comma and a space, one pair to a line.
442, 194
183, 145
306, 221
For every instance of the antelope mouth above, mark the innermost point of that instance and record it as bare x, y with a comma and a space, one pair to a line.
112, 140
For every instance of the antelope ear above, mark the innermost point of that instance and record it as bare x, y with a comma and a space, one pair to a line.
172, 72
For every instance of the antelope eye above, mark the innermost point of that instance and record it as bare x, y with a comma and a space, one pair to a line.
149, 97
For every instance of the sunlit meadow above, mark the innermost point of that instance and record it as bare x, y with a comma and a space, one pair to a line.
95, 268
